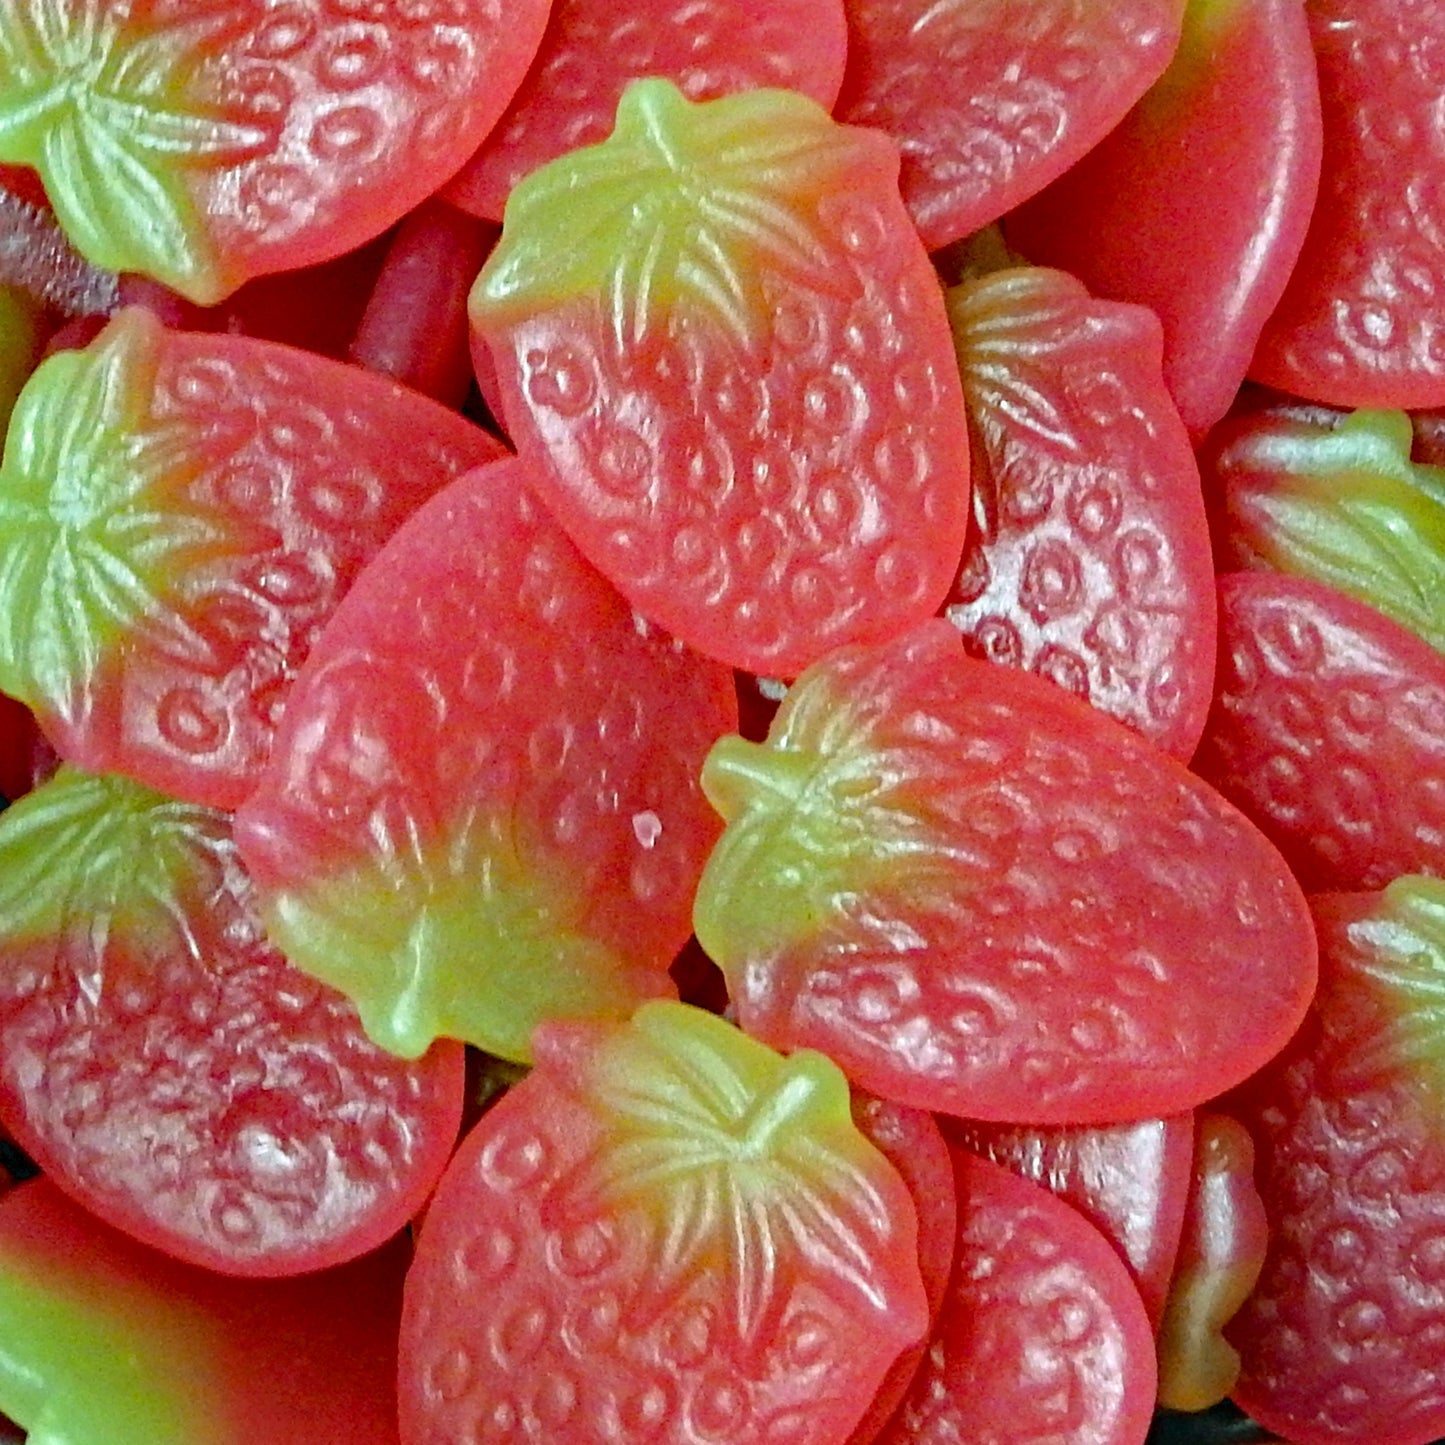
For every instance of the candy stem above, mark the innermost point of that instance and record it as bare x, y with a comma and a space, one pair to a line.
36, 256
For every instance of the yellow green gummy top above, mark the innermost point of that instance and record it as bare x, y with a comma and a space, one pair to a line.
462, 938
94, 527
1349, 508
1404, 943
100, 1361
823, 814
741, 1157
103, 856
684, 206
112, 114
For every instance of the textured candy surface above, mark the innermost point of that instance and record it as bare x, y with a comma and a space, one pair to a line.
1358, 324
1339, 501
1131, 1181
103, 1340
170, 1070
989, 100
207, 143
1328, 731
982, 896
1088, 561
665, 1232
593, 48
1197, 203
1341, 1339
179, 514
1042, 1336
721, 335
483, 807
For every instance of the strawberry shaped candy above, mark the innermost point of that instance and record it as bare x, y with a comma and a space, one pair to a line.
1359, 323
1042, 1335
1196, 205
1328, 725
209, 142
593, 48
721, 343
179, 514
981, 896
105, 1342
1089, 559
170, 1070
989, 100
665, 1233
1131, 1181
1341, 1340
483, 806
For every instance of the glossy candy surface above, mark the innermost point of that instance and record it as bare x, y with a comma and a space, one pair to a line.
1221, 1252
1088, 561
208, 143
719, 339
982, 896
169, 1070
1358, 323
593, 48
1341, 1340
989, 100
1196, 204
1328, 730
179, 514
1131, 1181
1042, 1335
102, 1339
483, 807
665, 1232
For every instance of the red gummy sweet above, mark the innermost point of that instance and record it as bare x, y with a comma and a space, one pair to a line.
990, 101
722, 343
1089, 560
104, 1339
207, 143
1197, 204
593, 48
1328, 731
1131, 1181
170, 1070
483, 806
180, 515
1042, 1336
912, 1143
665, 1232
982, 896
1341, 1339
1358, 323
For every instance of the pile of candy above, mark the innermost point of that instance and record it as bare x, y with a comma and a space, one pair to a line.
724, 721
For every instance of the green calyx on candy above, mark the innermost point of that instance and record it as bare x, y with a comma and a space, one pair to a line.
982, 896
685, 206
1344, 506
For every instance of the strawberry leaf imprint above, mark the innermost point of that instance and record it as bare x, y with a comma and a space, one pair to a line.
112, 118
91, 527
685, 207
738, 1160
85, 857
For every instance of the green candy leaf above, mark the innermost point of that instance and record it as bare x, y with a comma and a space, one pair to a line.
683, 207
114, 119
93, 522
1346, 507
